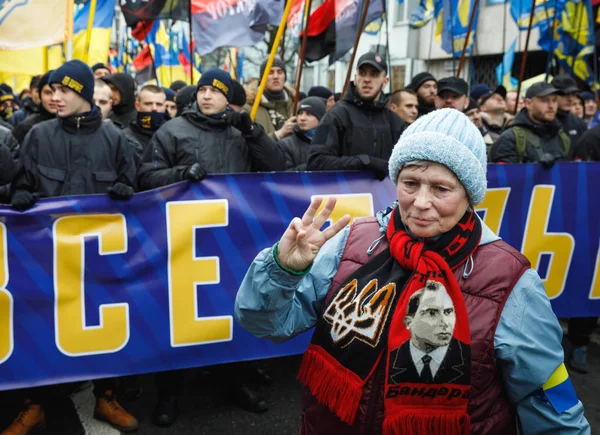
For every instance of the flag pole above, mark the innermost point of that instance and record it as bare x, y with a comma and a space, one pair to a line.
307, 6
45, 58
69, 29
464, 50
191, 43
88, 33
524, 58
263, 81
359, 31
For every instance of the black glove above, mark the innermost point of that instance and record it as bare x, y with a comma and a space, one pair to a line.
242, 121
120, 191
195, 173
22, 200
547, 160
378, 166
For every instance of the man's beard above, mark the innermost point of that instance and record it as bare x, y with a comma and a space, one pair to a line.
374, 97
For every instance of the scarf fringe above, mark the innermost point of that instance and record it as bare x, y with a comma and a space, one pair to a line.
431, 424
331, 383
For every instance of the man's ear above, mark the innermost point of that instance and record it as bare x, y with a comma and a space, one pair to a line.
466, 103
392, 107
137, 105
386, 80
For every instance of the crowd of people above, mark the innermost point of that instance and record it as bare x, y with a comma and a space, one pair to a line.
80, 130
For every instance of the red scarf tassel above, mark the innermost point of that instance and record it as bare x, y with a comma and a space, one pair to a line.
411, 422
331, 383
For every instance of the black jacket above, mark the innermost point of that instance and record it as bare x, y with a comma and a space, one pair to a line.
9, 160
140, 139
214, 143
505, 148
352, 128
574, 126
296, 149
71, 156
123, 113
589, 145
21, 130
425, 108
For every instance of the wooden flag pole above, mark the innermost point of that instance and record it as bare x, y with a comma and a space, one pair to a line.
359, 31
307, 6
524, 58
88, 33
191, 43
461, 62
69, 29
263, 81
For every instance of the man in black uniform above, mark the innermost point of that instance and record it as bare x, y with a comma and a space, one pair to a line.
123, 92
360, 131
75, 154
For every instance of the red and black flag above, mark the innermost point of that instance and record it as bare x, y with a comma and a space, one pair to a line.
333, 26
144, 66
135, 11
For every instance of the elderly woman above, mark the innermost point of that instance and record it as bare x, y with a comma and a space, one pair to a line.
425, 321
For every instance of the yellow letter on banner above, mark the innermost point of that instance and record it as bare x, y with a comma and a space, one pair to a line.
6, 302
73, 336
357, 205
494, 205
536, 241
595, 290
186, 271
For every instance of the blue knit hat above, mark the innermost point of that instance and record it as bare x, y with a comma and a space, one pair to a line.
447, 137
217, 78
76, 76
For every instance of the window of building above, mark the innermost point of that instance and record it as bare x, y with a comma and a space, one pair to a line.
404, 9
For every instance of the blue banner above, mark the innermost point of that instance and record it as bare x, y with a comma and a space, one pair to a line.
91, 287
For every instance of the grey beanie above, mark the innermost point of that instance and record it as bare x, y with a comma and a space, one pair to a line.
447, 137
277, 62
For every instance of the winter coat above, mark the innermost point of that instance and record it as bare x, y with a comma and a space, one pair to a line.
9, 150
351, 128
271, 115
505, 148
21, 130
140, 139
71, 156
123, 113
588, 147
214, 143
574, 126
296, 149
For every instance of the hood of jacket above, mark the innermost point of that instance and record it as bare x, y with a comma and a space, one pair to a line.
353, 98
542, 130
126, 87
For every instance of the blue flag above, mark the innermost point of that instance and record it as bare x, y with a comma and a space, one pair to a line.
504, 69
455, 24
426, 10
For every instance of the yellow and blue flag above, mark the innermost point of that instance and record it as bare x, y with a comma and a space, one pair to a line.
504, 69
455, 24
425, 12
559, 390
101, 29
543, 13
32, 23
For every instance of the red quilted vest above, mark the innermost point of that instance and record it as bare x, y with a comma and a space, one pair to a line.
496, 269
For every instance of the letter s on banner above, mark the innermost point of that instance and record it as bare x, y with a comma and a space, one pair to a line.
6, 302
536, 241
186, 271
73, 337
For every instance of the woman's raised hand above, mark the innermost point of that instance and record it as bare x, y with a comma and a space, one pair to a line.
303, 238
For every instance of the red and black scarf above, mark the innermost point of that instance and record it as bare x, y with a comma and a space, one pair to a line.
403, 305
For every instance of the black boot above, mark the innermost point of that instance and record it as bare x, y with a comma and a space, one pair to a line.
250, 399
166, 411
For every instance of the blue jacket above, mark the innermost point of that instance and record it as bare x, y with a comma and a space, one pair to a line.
276, 305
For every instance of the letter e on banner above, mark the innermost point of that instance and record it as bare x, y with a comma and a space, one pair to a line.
493, 206
6, 302
357, 205
186, 271
536, 241
73, 336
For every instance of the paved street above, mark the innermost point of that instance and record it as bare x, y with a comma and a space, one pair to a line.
206, 411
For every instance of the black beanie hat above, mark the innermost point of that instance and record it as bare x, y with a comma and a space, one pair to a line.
170, 94
313, 105
219, 79
99, 65
276, 63
184, 97
419, 79
239, 94
44, 81
177, 85
320, 91
76, 76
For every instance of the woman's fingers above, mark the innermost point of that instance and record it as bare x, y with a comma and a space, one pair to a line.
322, 217
309, 214
336, 227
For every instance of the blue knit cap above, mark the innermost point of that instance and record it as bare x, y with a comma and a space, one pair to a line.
76, 76
447, 137
219, 79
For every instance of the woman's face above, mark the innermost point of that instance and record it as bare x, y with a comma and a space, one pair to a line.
431, 199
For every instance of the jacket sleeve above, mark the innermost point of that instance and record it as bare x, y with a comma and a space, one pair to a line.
126, 162
529, 353
326, 156
7, 164
27, 174
265, 154
158, 168
398, 126
505, 148
273, 304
